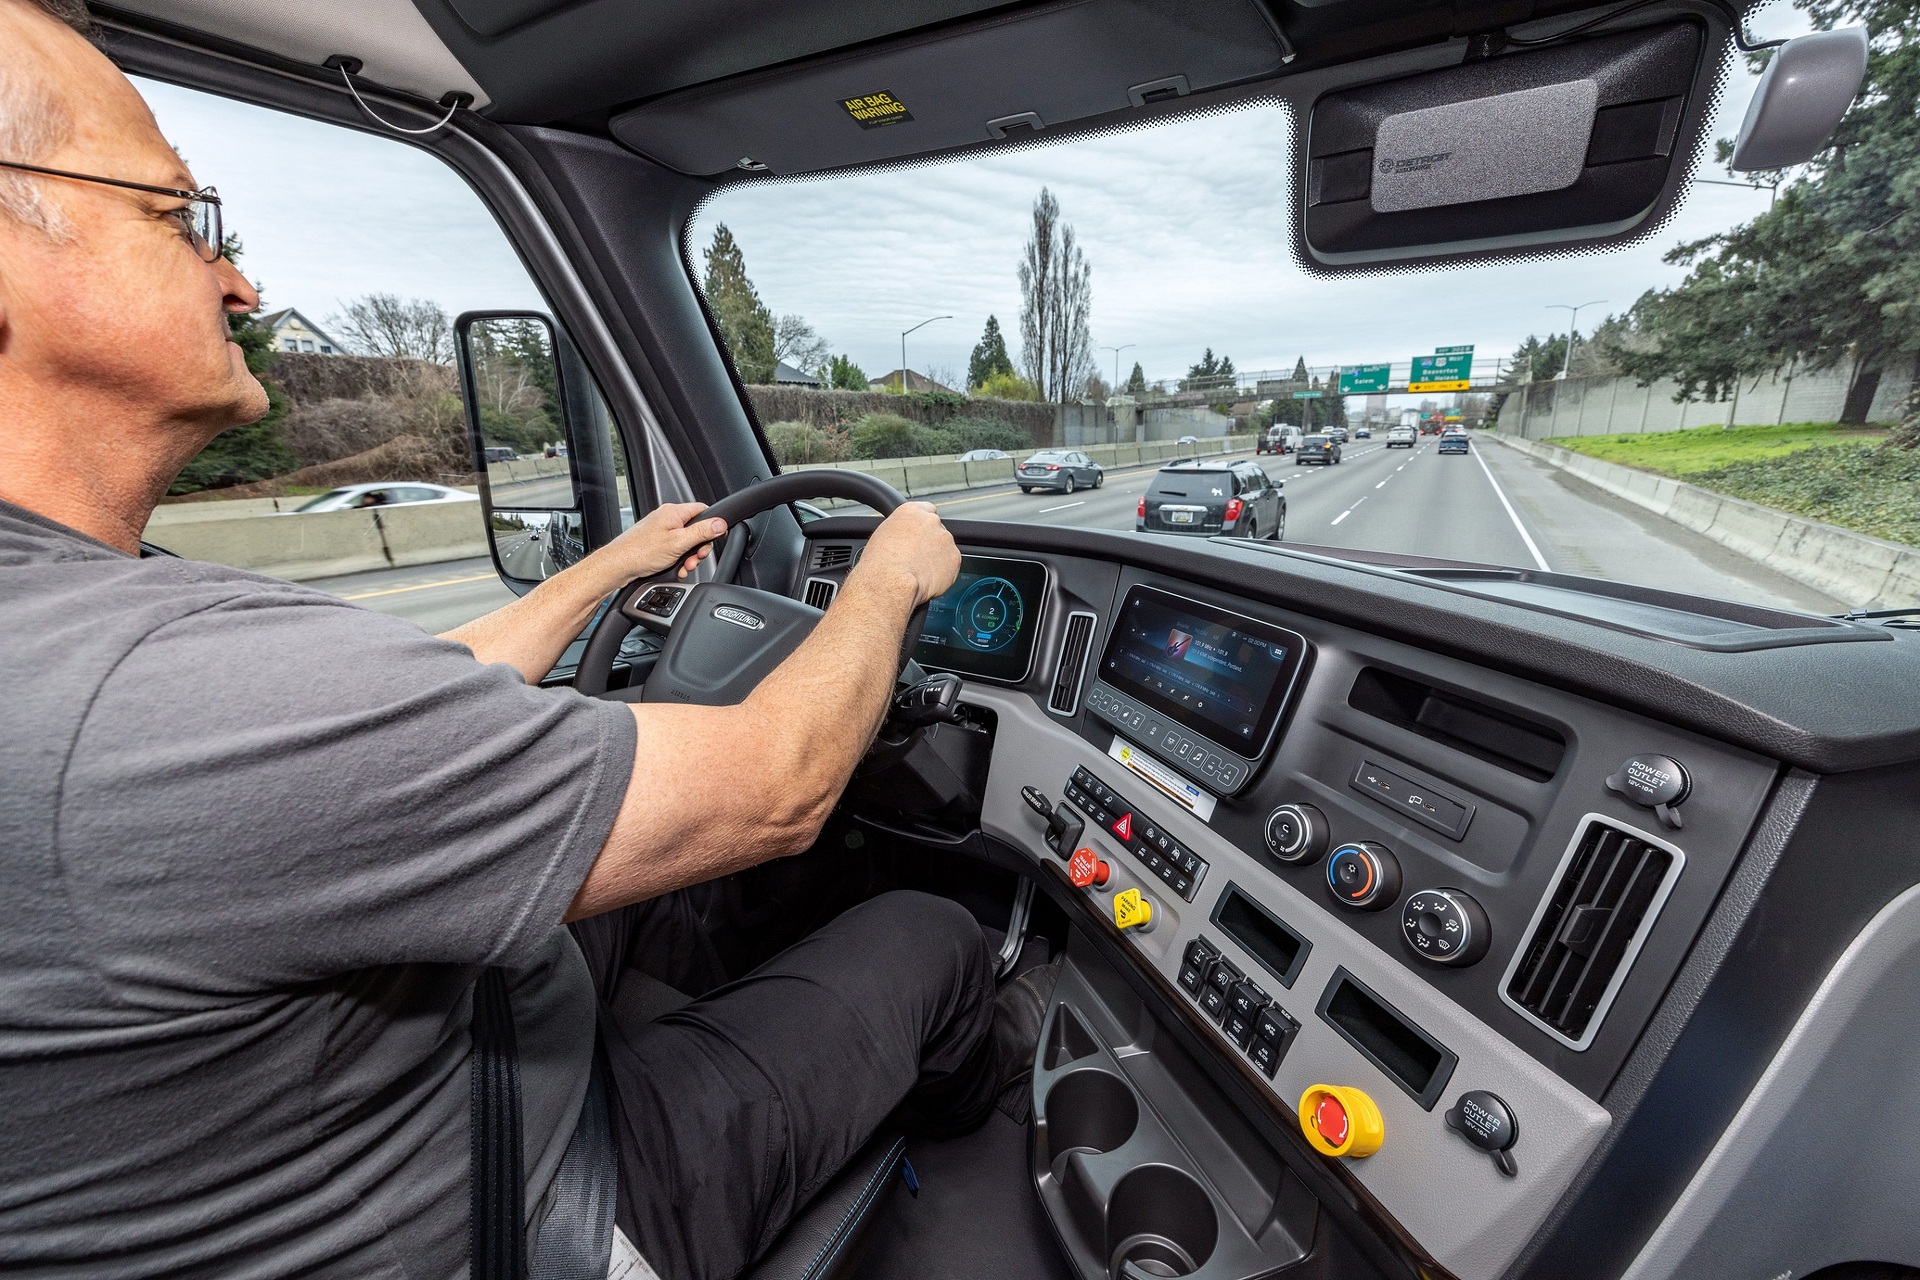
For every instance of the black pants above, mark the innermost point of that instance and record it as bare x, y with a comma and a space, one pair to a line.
731, 1113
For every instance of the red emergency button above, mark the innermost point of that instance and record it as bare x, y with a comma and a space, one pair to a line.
1124, 827
1086, 868
1330, 1118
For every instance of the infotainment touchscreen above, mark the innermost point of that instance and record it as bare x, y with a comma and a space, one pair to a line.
985, 623
1220, 674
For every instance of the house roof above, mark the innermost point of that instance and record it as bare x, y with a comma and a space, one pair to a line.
278, 320
915, 382
786, 374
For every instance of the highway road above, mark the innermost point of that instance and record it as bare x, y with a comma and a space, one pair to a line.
1491, 505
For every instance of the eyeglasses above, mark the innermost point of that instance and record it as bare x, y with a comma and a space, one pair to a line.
199, 221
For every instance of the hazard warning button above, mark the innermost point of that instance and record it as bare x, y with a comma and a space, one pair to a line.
1123, 826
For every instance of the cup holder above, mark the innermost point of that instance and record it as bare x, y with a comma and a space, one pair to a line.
1088, 1110
1160, 1222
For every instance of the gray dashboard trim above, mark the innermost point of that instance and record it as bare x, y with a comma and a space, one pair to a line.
1634, 944
1819, 1165
1779, 703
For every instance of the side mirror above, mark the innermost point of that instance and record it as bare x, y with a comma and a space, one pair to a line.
541, 440
1575, 142
1802, 95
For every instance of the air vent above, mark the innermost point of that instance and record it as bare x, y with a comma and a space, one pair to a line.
832, 555
1583, 939
821, 591
1073, 664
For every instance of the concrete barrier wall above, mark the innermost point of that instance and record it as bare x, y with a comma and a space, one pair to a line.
247, 534
329, 543
1865, 571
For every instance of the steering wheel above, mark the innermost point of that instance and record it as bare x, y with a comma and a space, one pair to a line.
722, 640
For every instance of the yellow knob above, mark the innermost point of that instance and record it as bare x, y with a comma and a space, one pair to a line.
1341, 1121
1130, 910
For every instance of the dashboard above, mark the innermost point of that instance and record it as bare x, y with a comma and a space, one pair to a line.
1399, 893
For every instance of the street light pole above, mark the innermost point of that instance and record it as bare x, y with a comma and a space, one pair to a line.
1566, 366
903, 349
1116, 365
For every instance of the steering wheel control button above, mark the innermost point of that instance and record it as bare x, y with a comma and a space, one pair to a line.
1364, 876
1087, 869
1445, 926
1132, 910
1485, 1120
1659, 783
1339, 1120
1165, 858
1297, 834
657, 603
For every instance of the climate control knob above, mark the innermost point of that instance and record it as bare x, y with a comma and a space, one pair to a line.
1445, 926
1364, 875
1297, 834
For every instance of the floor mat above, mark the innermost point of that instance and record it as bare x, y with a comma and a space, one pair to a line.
977, 1215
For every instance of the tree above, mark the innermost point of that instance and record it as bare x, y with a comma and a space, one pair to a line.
254, 450
1136, 384
1007, 386
989, 355
1056, 305
746, 326
795, 342
382, 324
1831, 272
842, 374
1209, 373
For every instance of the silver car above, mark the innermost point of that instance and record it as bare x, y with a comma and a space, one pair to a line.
395, 493
1059, 470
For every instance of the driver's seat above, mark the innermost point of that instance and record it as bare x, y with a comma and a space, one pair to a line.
826, 1237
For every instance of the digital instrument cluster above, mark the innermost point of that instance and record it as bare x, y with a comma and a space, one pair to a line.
986, 622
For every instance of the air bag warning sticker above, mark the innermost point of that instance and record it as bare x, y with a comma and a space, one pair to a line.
876, 110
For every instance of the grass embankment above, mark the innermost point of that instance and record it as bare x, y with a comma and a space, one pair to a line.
1841, 475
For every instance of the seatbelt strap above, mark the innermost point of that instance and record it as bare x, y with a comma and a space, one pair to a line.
575, 1238
496, 1247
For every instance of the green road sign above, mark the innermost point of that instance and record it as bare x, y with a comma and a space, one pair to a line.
1454, 351
1365, 379
1451, 371
1308, 395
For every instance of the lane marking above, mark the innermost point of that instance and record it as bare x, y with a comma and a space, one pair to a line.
1383, 483
1062, 507
422, 586
1349, 511
1512, 515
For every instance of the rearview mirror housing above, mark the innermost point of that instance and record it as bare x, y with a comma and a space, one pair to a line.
541, 440
1578, 141
1805, 90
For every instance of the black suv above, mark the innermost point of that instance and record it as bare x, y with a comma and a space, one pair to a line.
1231, 499
1324, 450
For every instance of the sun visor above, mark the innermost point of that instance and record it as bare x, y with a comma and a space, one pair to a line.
1012, 75
1573, 142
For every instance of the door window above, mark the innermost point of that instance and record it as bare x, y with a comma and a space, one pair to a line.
354, 340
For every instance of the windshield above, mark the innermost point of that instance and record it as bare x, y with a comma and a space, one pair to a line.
1119, 293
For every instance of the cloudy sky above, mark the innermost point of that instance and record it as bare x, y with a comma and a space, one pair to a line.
1183, 226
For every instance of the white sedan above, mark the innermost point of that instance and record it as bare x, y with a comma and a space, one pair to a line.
403, 493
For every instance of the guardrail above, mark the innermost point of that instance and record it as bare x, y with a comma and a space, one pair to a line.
327, 544
1865, 571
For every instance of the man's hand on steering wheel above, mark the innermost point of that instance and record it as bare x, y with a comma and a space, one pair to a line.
659, 541
912, 543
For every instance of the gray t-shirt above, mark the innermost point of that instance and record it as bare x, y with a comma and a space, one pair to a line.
257, 842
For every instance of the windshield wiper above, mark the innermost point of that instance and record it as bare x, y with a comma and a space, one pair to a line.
1866, 615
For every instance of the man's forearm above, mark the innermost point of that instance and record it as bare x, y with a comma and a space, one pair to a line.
718, 789
532, 632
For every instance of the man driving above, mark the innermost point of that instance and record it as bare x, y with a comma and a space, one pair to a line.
259, 842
